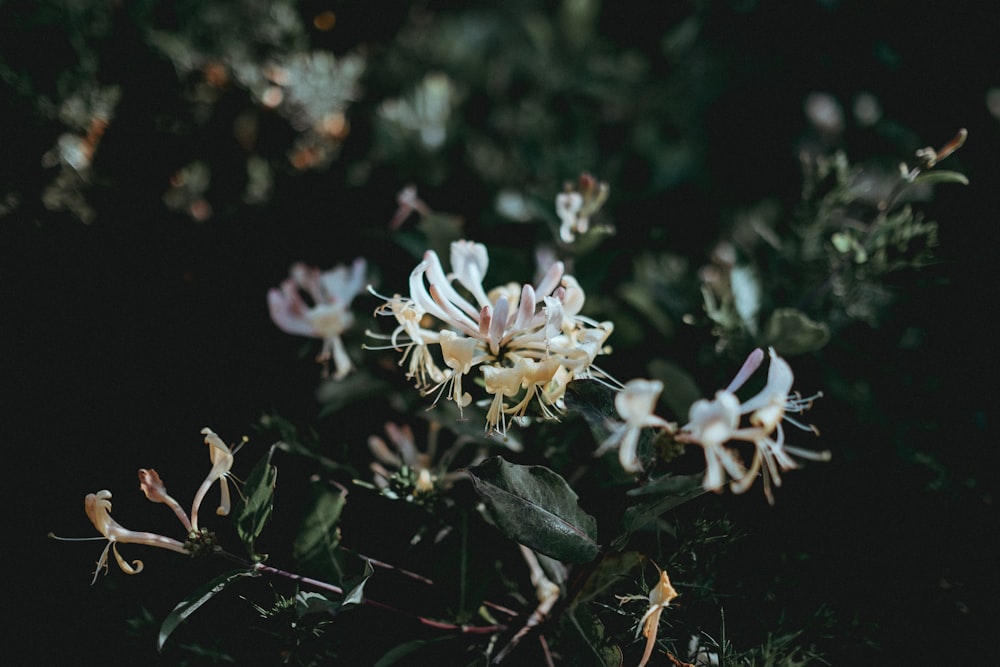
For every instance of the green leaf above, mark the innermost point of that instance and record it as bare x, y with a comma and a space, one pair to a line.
187, 607
393, 656
680, 390
608, 573
311, 602
257, 502
355, 595
317, 539
791, 332
596, 403
657, 497
337, 394
591, 632
536, 507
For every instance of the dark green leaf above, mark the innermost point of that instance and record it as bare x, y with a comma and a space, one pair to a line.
356, 593
336, 394
311, 602
596, 403
187, 607
608, 573
536, 507
319, 536
393, 656
591, 632
258, 501
657, 497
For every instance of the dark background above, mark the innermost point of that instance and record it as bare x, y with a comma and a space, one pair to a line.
124, 337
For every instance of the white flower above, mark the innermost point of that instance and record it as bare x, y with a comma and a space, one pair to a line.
328, 316
715, 424
767, 410
98, 508
521, 338
635, 404
575, 206
712, 424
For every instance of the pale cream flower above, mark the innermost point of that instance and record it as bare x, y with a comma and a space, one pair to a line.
716, 424
635, 403
712, 424
767, 410
328, 315
98, 508
576, 205
521, 338
222, 457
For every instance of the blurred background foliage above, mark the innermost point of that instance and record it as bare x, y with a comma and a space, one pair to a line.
165, 162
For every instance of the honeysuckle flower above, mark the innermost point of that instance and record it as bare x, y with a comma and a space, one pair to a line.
715, 424
524, 340
659, 598
767, 410
156, 491
328, 315
222, 457
635, 404
98, 508
712, 424
575, 206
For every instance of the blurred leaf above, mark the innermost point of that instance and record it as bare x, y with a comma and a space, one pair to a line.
536, 507
657, 497
319, 536
639, 296
791, 332
679, 388
337, 394
190, 605
257, 501
402, 651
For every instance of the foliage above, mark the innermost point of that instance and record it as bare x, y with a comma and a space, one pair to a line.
519, 502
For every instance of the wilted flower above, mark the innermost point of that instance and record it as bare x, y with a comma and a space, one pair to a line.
659, 598
98, 507
328, 315
525, 338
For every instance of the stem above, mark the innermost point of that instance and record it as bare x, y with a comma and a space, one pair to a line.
322, 585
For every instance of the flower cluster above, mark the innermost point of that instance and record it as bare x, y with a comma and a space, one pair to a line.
716, 424
575, 206
527, 342
98, 508
328, 316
